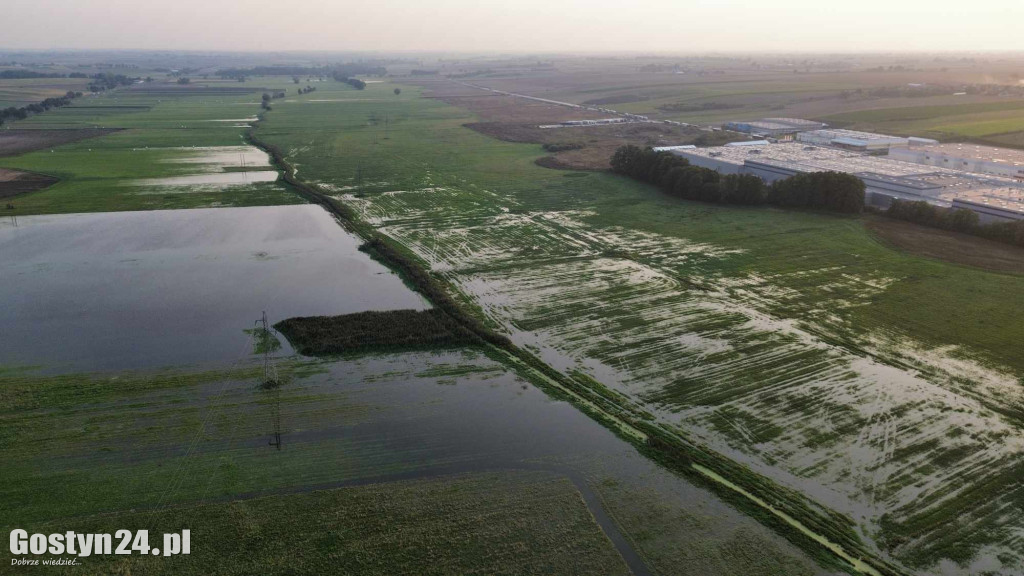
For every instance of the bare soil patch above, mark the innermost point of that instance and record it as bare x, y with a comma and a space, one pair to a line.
14, 142
597, 143
948, 246
16, 182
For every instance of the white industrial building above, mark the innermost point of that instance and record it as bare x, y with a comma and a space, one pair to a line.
852, 140
671, 148
781, 128
885, 179
967, 157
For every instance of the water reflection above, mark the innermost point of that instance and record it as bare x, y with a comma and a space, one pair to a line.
146, 289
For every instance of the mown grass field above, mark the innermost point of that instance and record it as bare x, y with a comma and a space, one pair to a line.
885, 385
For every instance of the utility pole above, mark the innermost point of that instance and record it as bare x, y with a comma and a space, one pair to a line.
263, 337
275, 408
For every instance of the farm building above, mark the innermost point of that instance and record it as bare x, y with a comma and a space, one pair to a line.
852, 140
966, 157
884, 178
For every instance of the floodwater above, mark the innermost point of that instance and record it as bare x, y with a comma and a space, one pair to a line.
376, 419
222, 156
133, 290
214, 167
216, 179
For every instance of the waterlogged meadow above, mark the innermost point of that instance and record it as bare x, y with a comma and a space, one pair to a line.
884, 386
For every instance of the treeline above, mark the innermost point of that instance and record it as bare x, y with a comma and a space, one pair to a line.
353, 82
100, 82
26, 74
831, 191
365, 331
307, 89
267, 97
347, 70
956, 220
12, 113
108, 81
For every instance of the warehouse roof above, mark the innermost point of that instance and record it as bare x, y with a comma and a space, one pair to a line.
978, 152
940, 184
853, 136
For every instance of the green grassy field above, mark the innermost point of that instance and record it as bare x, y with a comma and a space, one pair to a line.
979, 121
792, 341
887, 386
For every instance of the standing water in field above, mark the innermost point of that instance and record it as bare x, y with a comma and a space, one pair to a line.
146, 289
208, 167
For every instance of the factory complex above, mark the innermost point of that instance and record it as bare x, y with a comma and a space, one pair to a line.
778, 128
970, 157
995, 198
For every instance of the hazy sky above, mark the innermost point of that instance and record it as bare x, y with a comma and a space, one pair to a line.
516, 25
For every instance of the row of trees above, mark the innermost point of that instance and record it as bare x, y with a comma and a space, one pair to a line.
832, 191
957, 220
12, 113
20, 74
353, 82
347, 70
267, 97
307, 89
100, 82
108, 81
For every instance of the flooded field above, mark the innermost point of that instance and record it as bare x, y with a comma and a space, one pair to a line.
363, 421
215, 180
856, 433
175, 287
218, 158
217, 166
776, 357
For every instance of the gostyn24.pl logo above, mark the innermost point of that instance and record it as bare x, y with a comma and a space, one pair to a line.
82, 545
